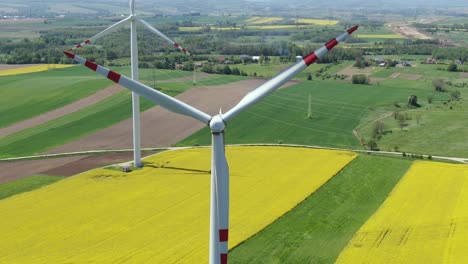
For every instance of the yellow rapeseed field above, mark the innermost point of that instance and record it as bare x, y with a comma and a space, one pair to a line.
321, 22
159, 214
263, 20
274, 26
35, 68
190, 28
424, 220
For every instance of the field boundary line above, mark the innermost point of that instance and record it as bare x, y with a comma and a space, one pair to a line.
91, 152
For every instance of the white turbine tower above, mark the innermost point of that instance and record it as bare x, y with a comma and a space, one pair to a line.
219, 208
133, 19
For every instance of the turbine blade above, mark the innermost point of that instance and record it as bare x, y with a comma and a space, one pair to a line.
220, 201
157, 32
276, 82
131, 4
102, 33
156, 97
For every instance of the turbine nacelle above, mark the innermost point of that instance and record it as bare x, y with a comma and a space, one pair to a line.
217, 124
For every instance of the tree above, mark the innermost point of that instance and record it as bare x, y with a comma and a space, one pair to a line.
452, 67
439, 85
429, 99
359, 63
413, 101
236, 71
378, 130
360, 79
455, 95
401, 119
372, 144
227, 70
207, 67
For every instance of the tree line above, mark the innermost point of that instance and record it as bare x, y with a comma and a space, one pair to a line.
49, 46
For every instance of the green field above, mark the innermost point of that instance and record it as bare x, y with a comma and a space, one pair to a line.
337, 108
90, 119
61, 130
440, 131
429, 71
150, 74
27, 95
319, 228
432, 129
275, 67
26, 184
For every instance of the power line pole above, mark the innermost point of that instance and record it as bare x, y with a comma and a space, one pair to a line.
309, 111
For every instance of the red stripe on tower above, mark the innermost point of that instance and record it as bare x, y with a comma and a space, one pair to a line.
113, 76
330, 44
224, 258
311, 58
78, 46
184, 50
176, 45
351, 30
69, 54
87, 41
223, 235
93, 66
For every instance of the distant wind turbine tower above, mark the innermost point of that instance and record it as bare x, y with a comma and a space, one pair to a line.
134, 68
219, 201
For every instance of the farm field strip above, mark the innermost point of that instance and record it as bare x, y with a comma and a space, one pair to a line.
263, 20
424, 219
65, 128
159, 214
28, 95
318, 229
31, 69
380, 36
321, 22
59, 112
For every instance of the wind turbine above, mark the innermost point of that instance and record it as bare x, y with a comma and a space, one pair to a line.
219, 201
133, 19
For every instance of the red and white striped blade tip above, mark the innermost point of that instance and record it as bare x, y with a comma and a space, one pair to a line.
351, 30
69, 54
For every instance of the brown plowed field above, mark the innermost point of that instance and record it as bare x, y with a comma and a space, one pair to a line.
65, 110
161, 128
13, 170
62, 166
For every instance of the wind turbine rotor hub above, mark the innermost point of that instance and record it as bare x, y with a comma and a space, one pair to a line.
217, 124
